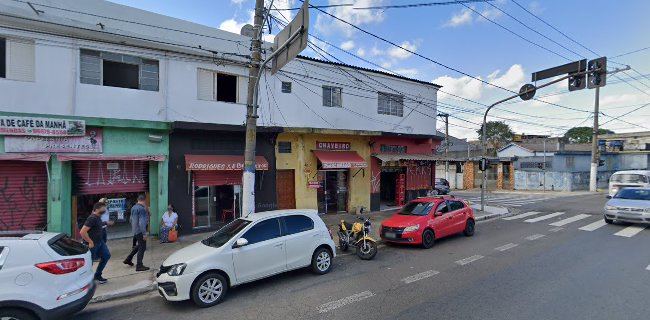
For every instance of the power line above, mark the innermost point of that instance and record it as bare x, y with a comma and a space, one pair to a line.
418, 5
618, 117
631, 52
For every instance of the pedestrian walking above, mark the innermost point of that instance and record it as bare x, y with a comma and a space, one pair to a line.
139, 222
91, 232
105, 220
168, 222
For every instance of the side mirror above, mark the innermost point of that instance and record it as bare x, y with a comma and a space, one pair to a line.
240, 243
438, 214
609, 197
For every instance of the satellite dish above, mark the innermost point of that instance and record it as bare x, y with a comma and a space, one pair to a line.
247, 30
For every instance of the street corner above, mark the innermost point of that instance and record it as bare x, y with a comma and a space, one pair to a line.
490, 212
114, 292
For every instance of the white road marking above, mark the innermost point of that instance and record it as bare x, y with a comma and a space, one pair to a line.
420, 276
523, 215
345, 301
630, 231
534, 237
594, 225
548, 216
468, 260
570, 220
556, 229
506, 247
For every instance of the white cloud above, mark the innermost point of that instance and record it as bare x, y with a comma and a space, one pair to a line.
490, 13
374, 51
328, 25
512, 79
402, 54
233, 25
237, 2
361, 52
386, 65
407, 72
535, 7
347, 45
464, 86
461, 18
551, 99
619, 100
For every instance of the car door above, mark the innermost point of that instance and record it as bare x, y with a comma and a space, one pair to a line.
458, 216
300, 239
441, 220
264, 255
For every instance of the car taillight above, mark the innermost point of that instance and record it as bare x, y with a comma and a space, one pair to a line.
330, 231
62, 266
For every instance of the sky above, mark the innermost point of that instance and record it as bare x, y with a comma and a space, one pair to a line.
499, 42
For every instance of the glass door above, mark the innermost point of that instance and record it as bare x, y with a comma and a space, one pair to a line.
341, 191
237, 200
202, 206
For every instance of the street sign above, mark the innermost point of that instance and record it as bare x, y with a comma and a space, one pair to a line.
527, 92
290, 51
571, 67
597, 75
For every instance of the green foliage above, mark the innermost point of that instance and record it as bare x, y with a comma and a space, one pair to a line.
583, 134
498, 134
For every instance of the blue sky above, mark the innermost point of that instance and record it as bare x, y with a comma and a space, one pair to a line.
458, 37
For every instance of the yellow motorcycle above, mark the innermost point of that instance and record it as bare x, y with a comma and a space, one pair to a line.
356, 234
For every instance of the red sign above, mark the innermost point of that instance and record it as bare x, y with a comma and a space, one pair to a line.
334, 146
91, 142
213, 162
313, 184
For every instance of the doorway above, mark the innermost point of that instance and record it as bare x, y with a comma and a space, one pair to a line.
286, 189
387, 187
216, 205
333, 194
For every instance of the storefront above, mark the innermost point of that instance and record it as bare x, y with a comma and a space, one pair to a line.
205, 172
23, 191
324, 171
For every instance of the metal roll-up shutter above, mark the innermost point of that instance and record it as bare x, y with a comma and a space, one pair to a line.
114, 176
23, 195
217, 178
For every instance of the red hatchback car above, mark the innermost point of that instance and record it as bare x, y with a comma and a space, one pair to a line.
424, 220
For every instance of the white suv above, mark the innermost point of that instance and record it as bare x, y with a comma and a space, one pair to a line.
258, 246
43, 276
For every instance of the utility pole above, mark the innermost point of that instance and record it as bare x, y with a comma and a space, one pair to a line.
248, 181
446, 117
544, 167
593, 173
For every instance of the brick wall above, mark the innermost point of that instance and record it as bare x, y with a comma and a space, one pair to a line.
500, 176
468, 175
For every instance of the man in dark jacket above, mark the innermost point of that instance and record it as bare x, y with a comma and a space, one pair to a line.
139, 222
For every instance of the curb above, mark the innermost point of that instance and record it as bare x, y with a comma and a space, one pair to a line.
139, 288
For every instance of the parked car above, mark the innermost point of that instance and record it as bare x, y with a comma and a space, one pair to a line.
43, 276
629, 178
629, 205
424, 220
247, 249
441, 186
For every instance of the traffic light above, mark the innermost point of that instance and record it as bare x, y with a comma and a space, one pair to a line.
597, 75
483, 164
601, 163
540, 165
577, 82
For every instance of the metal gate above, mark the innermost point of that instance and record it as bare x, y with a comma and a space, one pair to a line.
23, 195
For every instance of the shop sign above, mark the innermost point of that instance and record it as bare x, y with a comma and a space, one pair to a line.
333, 146
313, 184
344, 165
45, 127
116, 208
90, 143
385, 148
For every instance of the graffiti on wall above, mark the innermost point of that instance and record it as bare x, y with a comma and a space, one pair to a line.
111, 173
22, 207
418, 175
375, 182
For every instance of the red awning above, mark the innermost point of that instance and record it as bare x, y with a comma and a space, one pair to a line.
212, 162
340, 159
26, 156
88, 157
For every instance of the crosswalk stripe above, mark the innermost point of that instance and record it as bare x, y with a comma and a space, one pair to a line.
556, 229
569, 220
523, 215
468, 260
420, 276
548, 216
506, 247
630, 231
594, 225
534, 237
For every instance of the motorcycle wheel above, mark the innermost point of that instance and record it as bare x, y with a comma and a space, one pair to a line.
343, 245
367, 251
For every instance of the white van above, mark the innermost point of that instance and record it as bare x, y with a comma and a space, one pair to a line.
629, 178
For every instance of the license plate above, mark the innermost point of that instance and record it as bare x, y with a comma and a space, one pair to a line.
390, 235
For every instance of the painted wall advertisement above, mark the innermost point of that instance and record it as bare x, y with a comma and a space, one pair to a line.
89, 143
45, 127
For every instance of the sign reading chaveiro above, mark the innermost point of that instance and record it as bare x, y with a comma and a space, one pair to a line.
333, 146
47, 127
90, 143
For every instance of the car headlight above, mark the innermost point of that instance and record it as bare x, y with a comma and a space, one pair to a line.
610, 208
177, 269
412, 228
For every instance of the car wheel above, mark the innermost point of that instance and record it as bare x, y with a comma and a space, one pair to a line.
321, 261
469, 228
608, 221
16, 314
209, 290
428, 239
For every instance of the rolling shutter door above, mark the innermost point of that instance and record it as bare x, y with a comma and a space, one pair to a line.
217, 178
98, 177
23, 195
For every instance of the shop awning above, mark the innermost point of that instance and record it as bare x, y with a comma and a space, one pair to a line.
397, 157
44, 157
98, 157
213, 162
340, 159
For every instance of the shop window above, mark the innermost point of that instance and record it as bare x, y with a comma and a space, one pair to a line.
3, 58
286, 87
118, 70
17, 59
215, 86
264, 230
390, 104
298, 223
332, 96
284, 147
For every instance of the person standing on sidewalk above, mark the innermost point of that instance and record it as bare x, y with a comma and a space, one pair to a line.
139, 222
91, 232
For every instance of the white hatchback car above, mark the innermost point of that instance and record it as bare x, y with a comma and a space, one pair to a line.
43, 276
258, 246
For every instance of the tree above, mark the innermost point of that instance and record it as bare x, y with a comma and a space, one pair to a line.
583, 134
498, 134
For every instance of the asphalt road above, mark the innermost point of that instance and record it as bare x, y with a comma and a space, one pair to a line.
520, 267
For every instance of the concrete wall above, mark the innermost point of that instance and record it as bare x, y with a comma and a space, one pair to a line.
558, 181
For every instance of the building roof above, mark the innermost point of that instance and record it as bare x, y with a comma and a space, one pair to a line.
624, 135
552, 148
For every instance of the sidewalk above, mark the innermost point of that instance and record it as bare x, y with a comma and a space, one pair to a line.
124, 281
535, 192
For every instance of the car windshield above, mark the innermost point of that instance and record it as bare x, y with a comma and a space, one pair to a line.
633, 194
226, 233
629, 178
416, 209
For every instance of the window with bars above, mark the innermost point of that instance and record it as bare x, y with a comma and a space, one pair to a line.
390, 104
286, 87
17, 59
118, 70
332, 96
216, 86
284, 147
